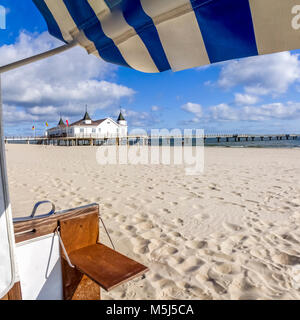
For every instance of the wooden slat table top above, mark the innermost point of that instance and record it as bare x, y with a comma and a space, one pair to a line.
105, 266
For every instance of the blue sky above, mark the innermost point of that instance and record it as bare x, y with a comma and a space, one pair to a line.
255, 95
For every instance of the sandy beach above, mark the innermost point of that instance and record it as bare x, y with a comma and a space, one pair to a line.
231, 232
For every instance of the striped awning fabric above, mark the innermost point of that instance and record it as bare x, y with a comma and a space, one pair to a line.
158, 35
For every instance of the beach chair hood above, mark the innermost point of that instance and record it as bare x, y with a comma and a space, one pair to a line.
158, 35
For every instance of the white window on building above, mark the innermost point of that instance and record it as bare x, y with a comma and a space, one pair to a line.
82, 130
99, 129
94, 130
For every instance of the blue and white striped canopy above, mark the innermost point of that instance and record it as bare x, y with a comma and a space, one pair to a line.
158, 35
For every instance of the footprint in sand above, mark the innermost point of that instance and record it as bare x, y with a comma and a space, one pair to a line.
227, 268
129, 228
145, 226
286, 259
189, 265
232, 227
194, 244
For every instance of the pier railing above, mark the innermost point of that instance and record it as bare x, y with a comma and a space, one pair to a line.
95, 139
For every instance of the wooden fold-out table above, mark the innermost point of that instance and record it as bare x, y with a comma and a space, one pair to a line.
94, 264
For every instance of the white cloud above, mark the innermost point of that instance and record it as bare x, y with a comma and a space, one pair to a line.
222, 112
245, 99
273, 111
13, 115
42, 110
62, 83
194, 108
278, 110
268, 74
155, 108
141, 119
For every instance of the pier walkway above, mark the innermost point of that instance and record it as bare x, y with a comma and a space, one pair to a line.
144, 140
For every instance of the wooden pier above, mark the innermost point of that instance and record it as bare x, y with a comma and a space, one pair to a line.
78, 141
145, 140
